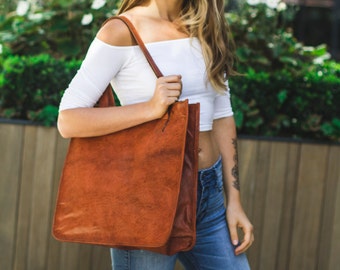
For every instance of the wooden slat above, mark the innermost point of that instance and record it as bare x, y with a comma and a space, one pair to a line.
43, 170
247, 152
85, 253
289, 194
329, 197
260, 178
69, 258
26, 191
101, 258
331, 247
53, 256
273, 201
313, 166
55, 246
10, 170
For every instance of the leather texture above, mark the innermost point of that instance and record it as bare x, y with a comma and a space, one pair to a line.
136, 188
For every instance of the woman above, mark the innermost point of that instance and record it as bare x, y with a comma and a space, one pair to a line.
190, 42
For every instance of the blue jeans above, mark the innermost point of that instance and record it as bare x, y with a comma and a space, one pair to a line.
213, 249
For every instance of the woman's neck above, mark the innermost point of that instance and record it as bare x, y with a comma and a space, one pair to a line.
166, 9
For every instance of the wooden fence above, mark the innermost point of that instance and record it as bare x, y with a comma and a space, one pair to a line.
290, 191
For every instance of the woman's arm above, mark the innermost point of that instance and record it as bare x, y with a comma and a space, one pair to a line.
224, 131
96, 74
88, 122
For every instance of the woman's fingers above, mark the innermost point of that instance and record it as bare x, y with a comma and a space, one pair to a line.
236, 218
168, 89
247, 240
171, 78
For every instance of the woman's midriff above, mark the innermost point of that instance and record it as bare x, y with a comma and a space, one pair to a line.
208, 152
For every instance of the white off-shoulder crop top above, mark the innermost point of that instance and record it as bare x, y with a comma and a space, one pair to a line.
134, 81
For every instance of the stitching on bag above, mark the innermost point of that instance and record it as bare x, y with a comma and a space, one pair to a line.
167, 120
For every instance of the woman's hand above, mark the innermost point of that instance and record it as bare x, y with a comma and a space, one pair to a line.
236, 218
168, 89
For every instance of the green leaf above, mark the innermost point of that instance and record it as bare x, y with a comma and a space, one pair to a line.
47, 115
282, 96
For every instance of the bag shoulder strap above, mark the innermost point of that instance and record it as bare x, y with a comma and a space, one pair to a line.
141, 44
107, 98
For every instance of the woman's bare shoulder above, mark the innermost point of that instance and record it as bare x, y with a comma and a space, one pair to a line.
114, 32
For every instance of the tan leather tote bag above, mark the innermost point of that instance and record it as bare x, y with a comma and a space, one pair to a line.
136, 188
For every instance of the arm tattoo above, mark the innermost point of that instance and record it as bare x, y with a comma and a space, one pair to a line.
234, 170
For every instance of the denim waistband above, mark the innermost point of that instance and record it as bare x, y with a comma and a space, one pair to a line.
205, 175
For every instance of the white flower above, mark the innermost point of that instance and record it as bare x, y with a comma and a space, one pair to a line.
87, 19
1, 50
253, 2
22, 8
321, 59
35, 16
97, 4
281, 6
272, 3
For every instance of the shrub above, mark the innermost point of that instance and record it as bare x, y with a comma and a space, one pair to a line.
285, 104
60, 28
31, 86
287, 89
266, 42
266, 104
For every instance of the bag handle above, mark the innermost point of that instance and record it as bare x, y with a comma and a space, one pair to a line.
141, 44
107, 98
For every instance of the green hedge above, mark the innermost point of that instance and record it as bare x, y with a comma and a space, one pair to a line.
287, 90
54, 27
285, 104
31, 86
281, 103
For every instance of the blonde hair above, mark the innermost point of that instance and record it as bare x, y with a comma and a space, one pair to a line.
205, 20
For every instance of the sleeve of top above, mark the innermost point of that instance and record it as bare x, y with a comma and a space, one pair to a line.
101, 64
222, 104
